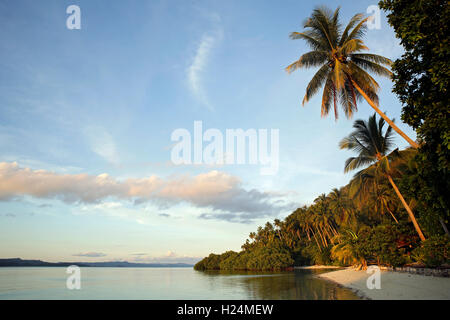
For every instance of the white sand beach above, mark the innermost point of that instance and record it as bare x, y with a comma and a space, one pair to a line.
317, 267
394, 285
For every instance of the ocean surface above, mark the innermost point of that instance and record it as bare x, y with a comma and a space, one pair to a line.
166, 283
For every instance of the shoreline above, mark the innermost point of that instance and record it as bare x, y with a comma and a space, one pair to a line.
394, 285
318, 267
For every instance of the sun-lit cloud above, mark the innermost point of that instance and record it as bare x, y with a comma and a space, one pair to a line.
220, 192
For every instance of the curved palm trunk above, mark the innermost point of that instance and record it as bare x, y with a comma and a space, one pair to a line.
408, 209
320, 248
389, 121
392, 214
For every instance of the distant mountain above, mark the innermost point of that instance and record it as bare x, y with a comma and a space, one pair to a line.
17, 262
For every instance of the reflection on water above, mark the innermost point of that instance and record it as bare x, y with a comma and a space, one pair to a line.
296, 285
167, 283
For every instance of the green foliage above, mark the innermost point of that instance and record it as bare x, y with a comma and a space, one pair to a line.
271, 257
302, 257
421, 81
213, 261
381, 244
434, 252
228, 262
200, 266
346, 251
365, 221
344, 227
241, 261
318, 256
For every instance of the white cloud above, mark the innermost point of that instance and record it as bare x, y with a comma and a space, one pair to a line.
170, 254
90, 254
169, 257
198, 67
218, 191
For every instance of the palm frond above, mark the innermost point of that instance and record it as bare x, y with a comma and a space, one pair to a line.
309, 59
311, 40
354, 45
370, 143
353, 163
316, 82
359, 31
371, 66
327, 95
354, 20
320, 24
374, 58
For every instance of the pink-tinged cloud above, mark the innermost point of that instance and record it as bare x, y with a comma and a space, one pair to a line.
221, 192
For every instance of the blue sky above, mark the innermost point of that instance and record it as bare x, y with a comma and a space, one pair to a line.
78, 106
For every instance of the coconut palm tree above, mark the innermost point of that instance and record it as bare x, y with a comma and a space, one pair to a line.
340, 205
383, 199
344, 70
372, 147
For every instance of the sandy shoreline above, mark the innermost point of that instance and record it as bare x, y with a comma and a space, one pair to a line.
394, 285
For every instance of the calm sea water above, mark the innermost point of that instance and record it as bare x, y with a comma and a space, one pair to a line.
166, 283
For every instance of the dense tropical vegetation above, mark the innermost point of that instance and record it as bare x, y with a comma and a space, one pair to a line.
366, 221
421, 81
395, 209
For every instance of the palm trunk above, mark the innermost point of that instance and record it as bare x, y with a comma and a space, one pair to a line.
408, 209
334, 230
307, 233
392, 214
444, 226
329, 236
324, 238
389, 121
320, 249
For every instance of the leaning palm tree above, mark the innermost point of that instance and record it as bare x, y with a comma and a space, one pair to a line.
344, 70
372, 147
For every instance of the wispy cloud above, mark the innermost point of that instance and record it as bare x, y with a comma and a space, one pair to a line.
200, 62
218, 191
10, 215
102, 143
169, 257
90, 254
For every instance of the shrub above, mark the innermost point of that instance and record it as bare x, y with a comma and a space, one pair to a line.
229, 260
434, 251
380, 244
269, 258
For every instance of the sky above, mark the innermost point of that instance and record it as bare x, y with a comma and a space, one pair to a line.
87, 117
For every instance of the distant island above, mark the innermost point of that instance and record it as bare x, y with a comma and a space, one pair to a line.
17, 262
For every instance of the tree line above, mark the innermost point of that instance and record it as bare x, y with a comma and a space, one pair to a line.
395, 210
